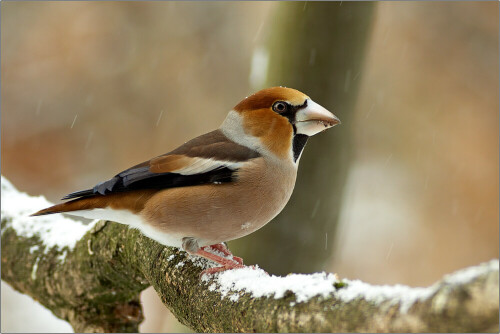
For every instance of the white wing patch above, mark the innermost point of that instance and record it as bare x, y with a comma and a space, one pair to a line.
200, 166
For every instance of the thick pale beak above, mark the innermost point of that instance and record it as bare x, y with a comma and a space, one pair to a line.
313, 119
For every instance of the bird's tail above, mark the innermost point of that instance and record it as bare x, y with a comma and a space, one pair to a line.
131, 200
74, 205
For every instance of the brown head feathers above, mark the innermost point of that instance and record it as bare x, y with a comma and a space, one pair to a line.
266, 97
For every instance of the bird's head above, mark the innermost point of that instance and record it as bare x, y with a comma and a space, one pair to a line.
278, 120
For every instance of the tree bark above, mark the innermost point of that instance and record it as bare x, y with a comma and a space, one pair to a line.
95, 287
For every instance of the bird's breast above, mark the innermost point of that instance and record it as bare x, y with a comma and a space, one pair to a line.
222, 212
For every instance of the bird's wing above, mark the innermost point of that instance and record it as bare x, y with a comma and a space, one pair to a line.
210, 158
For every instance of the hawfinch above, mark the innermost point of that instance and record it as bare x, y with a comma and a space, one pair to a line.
217, 187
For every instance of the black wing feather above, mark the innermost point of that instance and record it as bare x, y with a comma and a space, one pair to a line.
151, 180
82, 193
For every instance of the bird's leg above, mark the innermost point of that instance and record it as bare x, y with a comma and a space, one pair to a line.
224, 250
190, 245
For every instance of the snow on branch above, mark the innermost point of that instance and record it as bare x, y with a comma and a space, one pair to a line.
54, 231
258, 284
91, 275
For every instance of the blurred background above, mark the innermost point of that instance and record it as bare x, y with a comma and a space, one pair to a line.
404, 191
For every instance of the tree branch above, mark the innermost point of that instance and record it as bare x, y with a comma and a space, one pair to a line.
94, 284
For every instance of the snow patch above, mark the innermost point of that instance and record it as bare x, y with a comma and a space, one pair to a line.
260, 284
468, 274
34, 269
54, 230
62, 256
201, 262
257, 283
234, 298
404, 295
407, 296
34, 249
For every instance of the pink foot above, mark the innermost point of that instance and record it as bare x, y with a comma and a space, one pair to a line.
224, 250
226, 263
234, 262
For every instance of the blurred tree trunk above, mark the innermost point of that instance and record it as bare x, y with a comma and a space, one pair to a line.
317, 48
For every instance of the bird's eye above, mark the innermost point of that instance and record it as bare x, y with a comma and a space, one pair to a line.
280, 106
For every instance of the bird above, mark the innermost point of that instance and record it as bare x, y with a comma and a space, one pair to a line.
217, 187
